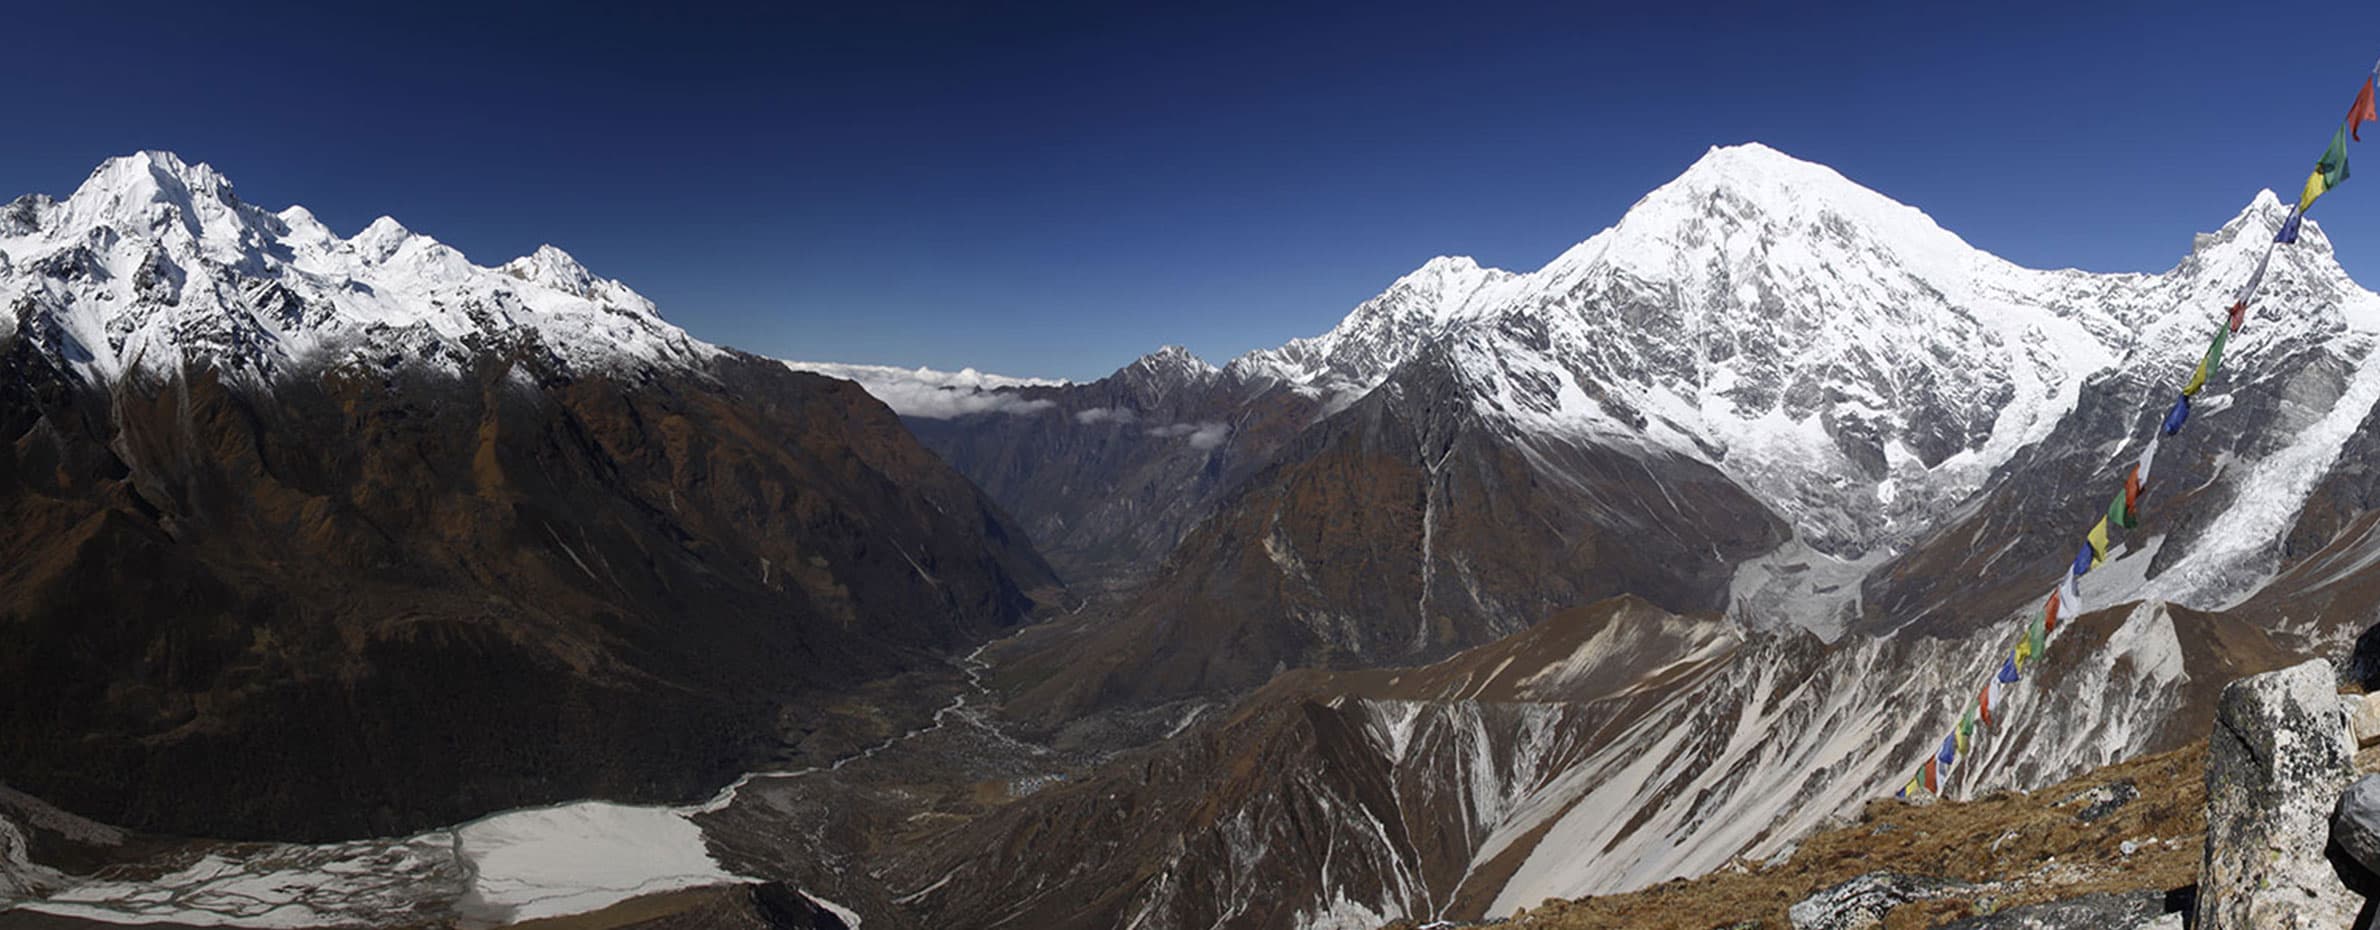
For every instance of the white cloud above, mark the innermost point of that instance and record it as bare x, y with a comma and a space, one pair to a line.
1201, 436
937, 395
1105, 415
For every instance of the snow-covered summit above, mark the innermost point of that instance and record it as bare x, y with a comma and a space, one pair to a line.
1837, 352
155, 262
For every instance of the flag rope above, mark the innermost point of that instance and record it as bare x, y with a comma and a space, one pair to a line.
1990, 706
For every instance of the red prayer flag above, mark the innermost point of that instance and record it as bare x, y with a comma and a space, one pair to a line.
1985, 700
2239, 315
2049, 615
2132, 492
1933, 779
2362, 110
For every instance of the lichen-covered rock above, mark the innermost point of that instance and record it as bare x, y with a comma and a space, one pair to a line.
2278, 758
1862, 902
2098, 911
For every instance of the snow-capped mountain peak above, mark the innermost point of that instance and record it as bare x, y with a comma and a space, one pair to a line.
553, 268
154, 261
1834, 350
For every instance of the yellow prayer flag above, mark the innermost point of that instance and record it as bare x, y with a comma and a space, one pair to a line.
2098, 541
2316, 186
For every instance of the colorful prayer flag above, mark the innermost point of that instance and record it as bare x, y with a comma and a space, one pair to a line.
2024, 652
2009, 674
2049, 611
1999, 697
2038, 638
2084, 560
2239, 314
1950, 751
1916, 783
1983, 701
2129, 501
2288, 233
2148, 457
2317, 184
2070, 598
1933, 776
2177, 416
2096, 541
2361, 110
2333, 165
1966, 731
2256, 280
2207, 363
2329, 173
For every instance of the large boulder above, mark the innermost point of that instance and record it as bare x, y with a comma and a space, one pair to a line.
2279, 757
2355, 822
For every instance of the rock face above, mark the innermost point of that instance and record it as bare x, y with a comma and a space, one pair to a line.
2279, 756
2355, 822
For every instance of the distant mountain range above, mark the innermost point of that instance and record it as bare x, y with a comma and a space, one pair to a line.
1511, 585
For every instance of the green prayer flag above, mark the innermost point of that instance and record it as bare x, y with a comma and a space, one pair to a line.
2121, 515
2038, 638
2334, 160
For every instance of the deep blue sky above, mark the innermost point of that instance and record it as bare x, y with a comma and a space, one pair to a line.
1052, 189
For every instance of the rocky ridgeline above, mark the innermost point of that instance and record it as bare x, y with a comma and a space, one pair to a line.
2290, 839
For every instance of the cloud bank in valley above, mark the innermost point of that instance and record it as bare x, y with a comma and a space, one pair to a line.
1201, 436
1097, 415
937, 395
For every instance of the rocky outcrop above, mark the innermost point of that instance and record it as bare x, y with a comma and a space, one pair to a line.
1862, 902
2278, 758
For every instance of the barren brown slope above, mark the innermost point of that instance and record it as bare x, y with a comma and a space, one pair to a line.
391, 600
2016, 848
1298, 793
1398, 532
